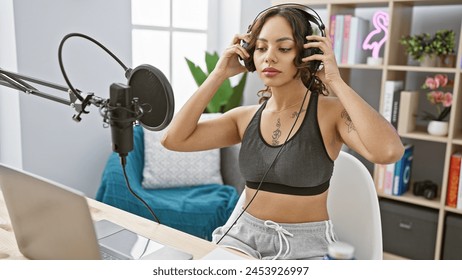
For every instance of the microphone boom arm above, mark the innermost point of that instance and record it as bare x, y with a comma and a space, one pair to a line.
17, 81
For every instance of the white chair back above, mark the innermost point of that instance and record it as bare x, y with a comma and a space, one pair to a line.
354, 208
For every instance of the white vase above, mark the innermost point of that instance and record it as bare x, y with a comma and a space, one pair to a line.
438, 128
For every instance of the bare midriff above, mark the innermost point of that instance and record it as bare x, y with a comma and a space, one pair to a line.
285, 208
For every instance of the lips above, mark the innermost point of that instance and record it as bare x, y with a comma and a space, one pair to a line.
270, 72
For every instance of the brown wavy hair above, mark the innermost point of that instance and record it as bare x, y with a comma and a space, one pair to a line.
299, 21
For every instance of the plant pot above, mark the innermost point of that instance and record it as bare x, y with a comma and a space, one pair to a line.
429, 61
447, 60
438, 128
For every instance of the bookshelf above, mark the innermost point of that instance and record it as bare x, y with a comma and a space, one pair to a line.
432, 153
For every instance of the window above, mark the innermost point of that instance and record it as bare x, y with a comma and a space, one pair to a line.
164, 32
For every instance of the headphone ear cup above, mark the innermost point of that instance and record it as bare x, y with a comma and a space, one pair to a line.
248, 63
315, 64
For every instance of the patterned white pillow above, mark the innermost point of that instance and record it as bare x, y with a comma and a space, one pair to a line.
169, 169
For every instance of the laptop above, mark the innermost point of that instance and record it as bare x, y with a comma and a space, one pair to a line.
53, 222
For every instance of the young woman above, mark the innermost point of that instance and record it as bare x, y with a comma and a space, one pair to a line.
288, 218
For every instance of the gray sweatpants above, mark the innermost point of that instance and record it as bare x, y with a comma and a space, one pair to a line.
269, 240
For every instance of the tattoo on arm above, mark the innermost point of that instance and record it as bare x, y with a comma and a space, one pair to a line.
348, 121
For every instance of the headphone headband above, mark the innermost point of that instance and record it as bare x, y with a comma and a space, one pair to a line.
313, 65
306, 9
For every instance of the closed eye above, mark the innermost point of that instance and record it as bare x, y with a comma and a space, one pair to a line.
284, 50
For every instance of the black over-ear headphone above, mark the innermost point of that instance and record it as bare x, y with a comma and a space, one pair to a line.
316, 19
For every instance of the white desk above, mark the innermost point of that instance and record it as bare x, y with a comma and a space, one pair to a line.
160, 233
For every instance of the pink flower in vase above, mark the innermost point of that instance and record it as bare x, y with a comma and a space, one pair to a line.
439, 80
447, 99
437, 97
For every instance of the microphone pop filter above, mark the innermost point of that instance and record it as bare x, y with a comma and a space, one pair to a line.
155, 96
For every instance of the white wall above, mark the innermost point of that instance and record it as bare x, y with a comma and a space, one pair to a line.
39, 135
249, 10
10, 129
52, 144
234, 17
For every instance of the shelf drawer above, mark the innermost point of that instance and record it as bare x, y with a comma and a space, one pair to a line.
408, 230
452, 248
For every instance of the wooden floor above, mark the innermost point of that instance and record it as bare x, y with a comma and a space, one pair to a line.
388, 256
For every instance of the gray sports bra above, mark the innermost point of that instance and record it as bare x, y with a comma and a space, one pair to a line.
303, 166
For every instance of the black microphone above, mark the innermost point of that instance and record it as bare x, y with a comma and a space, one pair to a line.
147, 99
121, 115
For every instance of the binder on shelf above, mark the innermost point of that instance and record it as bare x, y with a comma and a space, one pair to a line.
409, 101
403, 169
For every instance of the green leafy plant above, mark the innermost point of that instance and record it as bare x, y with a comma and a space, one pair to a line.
420, 45
443, 42
227, 97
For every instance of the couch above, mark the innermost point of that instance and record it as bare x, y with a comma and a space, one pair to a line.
196, 210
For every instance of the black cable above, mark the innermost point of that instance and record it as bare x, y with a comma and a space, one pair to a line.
123, 163
273, 162
61, 65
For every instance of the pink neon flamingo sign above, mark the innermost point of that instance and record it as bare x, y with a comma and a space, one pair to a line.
380, 21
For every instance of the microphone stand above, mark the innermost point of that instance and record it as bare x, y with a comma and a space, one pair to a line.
119, 121
120, 113
76, 101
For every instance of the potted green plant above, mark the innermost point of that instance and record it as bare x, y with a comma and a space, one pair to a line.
227, 97
443, 44
427, 48
417, 46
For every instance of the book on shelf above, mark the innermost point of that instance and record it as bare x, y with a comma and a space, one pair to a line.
388, 178
459, 190
384, 178
359, 29
395, 108
332, 30
390, 106
409, 101
338, 38
403, 167
453, 179
394, 178
347, 33
346, 38
380, 177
